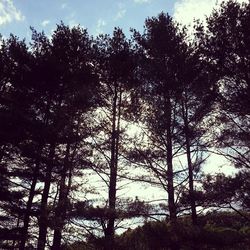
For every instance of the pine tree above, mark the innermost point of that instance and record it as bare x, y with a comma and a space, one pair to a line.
116, 66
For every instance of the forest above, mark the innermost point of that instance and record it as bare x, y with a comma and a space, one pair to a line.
83, 117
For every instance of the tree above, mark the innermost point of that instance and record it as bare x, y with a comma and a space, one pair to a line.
226, 47
227, 192
163, 48
116, 66
162, 44
16, 108
67, 86
72, 49
197, 100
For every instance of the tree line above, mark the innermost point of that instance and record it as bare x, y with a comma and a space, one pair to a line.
67, 108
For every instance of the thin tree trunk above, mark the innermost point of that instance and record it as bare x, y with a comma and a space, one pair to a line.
174, 245
109, 232
30, 200
190, 166
61, 208
28, 207
170, 173
191, 182
43, 219
17, 226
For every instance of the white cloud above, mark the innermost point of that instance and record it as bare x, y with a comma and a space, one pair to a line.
121, 12
142, 1
99, 27
8, 12
64, 5
185, 11
45, 23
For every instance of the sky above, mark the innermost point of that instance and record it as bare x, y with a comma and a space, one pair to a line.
98, 16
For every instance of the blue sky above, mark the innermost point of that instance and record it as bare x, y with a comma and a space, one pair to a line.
98, 16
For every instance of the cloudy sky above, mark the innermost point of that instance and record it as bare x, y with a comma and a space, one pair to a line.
98, 16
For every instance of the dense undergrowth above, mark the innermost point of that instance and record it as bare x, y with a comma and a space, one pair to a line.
217, 230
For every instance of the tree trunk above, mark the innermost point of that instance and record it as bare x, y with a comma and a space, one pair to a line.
170, 173
29, 206
190, 165
174, 245
17, 226
109, 232
61, 209
191, 183
43, 219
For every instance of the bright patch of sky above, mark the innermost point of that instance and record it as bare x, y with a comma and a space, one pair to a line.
9, 13
186, 11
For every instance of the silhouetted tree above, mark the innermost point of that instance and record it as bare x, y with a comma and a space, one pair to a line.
197, 100
162, 44
71, 48
16, 111
116, 66
66, 85
226, 47
227, 192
